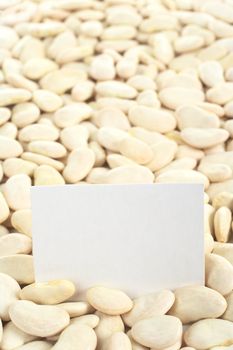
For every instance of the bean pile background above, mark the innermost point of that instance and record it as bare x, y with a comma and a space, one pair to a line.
115, 91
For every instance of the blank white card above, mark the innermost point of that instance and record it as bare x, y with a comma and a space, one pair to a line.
139, 238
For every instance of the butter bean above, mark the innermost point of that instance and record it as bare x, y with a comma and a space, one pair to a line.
9, 147
222, 224
109, 301
158, 332
15, 243
19, 267
17, 192
10, 290
15, 166
46, 100
21, 221
47, 175
219, 274
79, 164
53, 292
13, 337
150, 305
47, 148
118, 341
89, 320
208, 333
72, 114
76, 309
38, 320
11, 96
174, 97
210, 303
136, 150
4, 213
204, 138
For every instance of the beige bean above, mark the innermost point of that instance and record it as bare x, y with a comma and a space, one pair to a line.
152, 119
72, 114
9, 147
9, 96
210, 303
46, 100
225, 250
10, 290
111, 117
5, 115
79, 164
175, 97
47, 148
15, 243
52, 292
25, 114
38, 132
222, 224
36, 68
19, 267
142, 83
189, 116
148, 98
134, 344
163, 153
36, 345
208, 333
136, 150
76, 309
211, 73
13, 337
128, 174
188, 43
42, 160
83, 90
220, 93
150, 305
74, 137
114, 88
102, 68
21, 221
117, 341
109, 301
219, 274
183, 176
204, 138
17, 191
107, 326
111, 138
89, 320
38, 320
158, 332
216, 172
15, 166
4, 213
47, 175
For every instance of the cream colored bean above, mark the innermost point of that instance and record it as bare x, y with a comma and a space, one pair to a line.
10, 292
163, 153
83, 90
136, 150
158, 332
149, 305
13, 337
107, 326
15, 243
21, 221
102, 68
183, 176
38, 132
9, 96
36, 68
210, 303
188, 43
76, 309
74, 137
9, 147
216, 172
134, 344
43, 160
46, 100
47, 148
15, 166
8, 130
204, 138
38, 320
189, 116
109, 301
19, 267
4, 213
47, 175
128, 174
225, 250
222, 224
211, 73
111, 138
219, 274
117, 341
182, 163
5, 115
25, 114
152, 119
208, 333
53, 292
111, 117
79, 164
17, 192
148, 98
72, 114
89, 320
221, 93
113, 88
175, 97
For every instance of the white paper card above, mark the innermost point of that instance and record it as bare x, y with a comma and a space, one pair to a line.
139, 238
